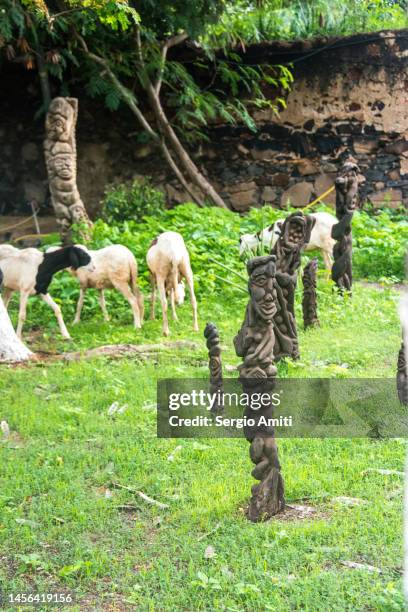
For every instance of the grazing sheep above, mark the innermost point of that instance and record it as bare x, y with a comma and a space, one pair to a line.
320, 237
168, 262
30, 272
114, 267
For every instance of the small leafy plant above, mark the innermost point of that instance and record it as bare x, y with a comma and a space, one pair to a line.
132, 201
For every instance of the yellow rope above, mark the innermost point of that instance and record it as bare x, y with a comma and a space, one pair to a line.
6, 229
29, 236
320, 197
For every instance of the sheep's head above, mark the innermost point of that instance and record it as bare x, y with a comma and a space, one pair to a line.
180, 293
80, 257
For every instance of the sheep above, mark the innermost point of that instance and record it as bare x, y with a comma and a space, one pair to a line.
168, 261
30, 272
114, 267
319, 239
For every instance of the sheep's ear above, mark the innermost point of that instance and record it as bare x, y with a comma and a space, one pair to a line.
310, 223
74, 259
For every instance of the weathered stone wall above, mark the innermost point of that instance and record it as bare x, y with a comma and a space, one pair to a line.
350, 96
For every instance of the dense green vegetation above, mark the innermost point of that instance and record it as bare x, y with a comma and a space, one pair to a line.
282, 19
380, 243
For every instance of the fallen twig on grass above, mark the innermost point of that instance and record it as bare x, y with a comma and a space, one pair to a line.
128, 507
382, 471
142, 495
205, 535
120, 350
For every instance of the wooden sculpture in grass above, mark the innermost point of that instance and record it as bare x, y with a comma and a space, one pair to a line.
254, 343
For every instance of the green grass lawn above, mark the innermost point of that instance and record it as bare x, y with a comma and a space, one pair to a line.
64, 528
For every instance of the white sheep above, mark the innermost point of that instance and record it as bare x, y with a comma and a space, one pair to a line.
114, 267
30, 272
168, 261
320, 237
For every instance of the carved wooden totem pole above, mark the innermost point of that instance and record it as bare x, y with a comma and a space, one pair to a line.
346, 198
295, 234
309, 301
254, 343
61, 162
215, 364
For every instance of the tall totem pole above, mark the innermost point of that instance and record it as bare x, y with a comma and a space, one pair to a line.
61, 162
309, 301
346, 199
295, 234
254, 343
214, 362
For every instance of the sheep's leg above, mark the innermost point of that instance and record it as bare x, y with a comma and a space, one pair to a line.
140, 300
102, 303
190, 282
328, 262
22, 313
153, 303
173, 304
79, 306
124, 289
7, 294
163, 300
57, 311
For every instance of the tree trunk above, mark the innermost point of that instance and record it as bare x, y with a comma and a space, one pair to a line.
61, 161
185, 160
11, 348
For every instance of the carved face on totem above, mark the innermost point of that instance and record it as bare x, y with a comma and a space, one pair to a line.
347, 188
261, 286
61, 118
296, 230
64, 166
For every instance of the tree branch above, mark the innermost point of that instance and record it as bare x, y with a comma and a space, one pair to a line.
124, 92
171, 42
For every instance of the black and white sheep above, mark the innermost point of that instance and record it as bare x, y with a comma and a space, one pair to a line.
30, 272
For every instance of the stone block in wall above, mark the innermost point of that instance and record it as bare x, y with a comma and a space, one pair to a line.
404, 165
306, 167
298, 194
394, 175
280, 179
365, 146
323, 183
397, 148
243, 200
268, 194
238, 187
387, 197
242, 195
263, 154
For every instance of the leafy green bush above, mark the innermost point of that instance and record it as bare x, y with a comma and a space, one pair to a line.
131, 200
380, 244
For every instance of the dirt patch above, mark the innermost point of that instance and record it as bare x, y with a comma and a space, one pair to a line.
297, 512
